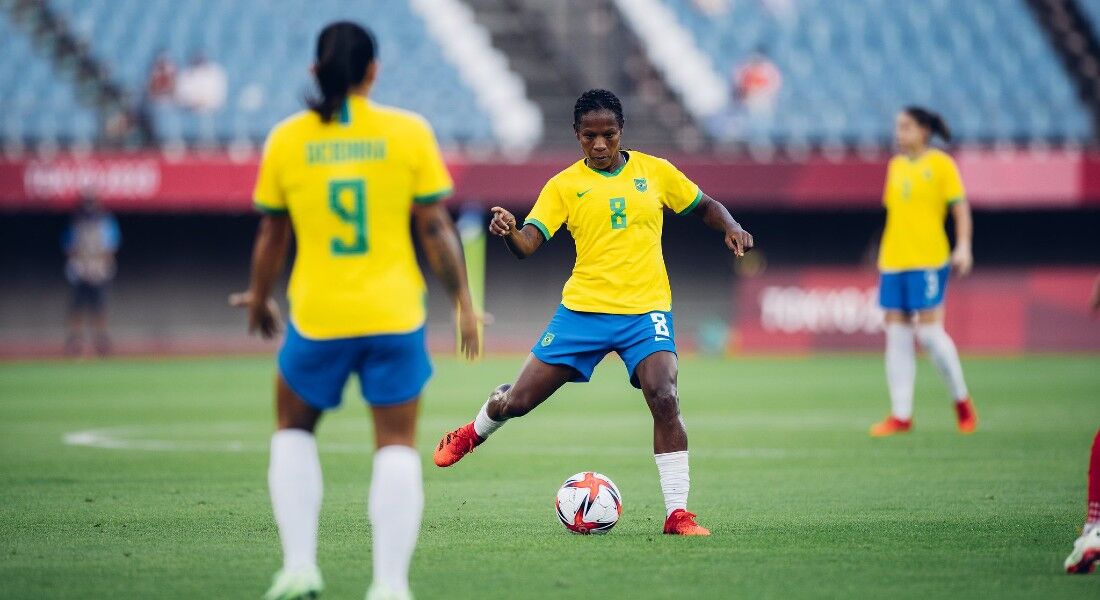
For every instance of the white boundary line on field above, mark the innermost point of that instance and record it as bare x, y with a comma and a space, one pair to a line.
131, 438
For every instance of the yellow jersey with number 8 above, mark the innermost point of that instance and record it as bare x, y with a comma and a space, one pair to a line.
349, 186
616, 220
918, 192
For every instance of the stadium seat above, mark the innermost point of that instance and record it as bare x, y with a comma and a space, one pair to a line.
848, 65
41, 106
266, 49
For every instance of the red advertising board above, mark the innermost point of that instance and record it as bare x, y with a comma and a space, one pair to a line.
222, 183
1001, 311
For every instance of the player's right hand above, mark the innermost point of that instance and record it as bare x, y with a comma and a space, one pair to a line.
503, 223
263, 317
469, 334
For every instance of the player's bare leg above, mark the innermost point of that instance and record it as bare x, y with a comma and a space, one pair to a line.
941, 350
102, 339
536, 382
294, 479
657, 376
901, 373
396, 499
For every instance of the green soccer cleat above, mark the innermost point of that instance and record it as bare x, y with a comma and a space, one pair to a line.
377, 592
299, 584
1086, 553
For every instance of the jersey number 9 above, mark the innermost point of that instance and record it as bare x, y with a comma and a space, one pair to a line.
353, 213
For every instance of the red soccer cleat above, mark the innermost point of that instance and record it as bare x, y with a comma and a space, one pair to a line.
456, 444
681, 522
890, 426
968, 417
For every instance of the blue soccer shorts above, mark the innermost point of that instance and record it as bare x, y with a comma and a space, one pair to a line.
392, 368
912, 291
581, 340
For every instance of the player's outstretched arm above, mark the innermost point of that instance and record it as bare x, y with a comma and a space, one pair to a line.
440, 240
521, 241
268, 261
715, 216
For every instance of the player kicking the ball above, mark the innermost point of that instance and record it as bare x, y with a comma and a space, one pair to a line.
618, 297
347, 176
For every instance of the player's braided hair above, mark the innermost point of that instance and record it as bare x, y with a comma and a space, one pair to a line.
932, 121
597, 100
344, 50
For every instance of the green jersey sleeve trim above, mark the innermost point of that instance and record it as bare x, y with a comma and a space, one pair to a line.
433, 198
538, 225
269, 210
956, 200
694, 203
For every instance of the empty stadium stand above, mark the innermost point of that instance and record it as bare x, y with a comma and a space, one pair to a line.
848, 65
266, 49
37, 102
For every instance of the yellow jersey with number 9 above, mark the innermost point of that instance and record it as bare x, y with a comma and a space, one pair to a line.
918, 192
349, 186
616, 220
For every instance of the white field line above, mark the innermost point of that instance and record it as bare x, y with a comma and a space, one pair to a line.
140, 438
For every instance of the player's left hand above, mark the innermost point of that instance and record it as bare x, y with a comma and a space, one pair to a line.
263, 317
739, 241
962, 260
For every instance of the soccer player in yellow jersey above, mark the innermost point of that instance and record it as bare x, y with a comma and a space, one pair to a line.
618, 298
346, 177
915, 258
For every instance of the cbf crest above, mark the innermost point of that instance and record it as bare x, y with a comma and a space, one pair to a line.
547, 339
640, 184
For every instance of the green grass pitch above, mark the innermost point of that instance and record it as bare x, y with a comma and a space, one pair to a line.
801, 501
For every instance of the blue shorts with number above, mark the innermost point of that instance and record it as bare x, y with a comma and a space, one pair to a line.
392, 368
581, 340
912, 291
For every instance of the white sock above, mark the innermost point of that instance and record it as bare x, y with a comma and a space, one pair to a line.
396, 503
945, 356
294, 477
901, 369
675, 481
483, 425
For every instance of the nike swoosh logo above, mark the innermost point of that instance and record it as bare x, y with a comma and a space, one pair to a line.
658, 338
581, 194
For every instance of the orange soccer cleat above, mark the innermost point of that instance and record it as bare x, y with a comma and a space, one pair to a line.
681, 522
968, 417
890, 426
456, 444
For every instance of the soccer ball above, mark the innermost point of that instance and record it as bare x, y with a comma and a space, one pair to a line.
589, 503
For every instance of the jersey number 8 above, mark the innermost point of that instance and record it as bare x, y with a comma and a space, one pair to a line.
354, 215
618, 213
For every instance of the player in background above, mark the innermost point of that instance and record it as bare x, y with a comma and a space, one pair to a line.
915, 258
346, 177
618, 298
90, 243
1086, 549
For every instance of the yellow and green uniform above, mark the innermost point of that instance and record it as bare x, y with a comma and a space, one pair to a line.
616, 220
349, 186
918, 192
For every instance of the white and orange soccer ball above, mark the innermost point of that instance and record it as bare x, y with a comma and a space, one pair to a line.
589, 503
